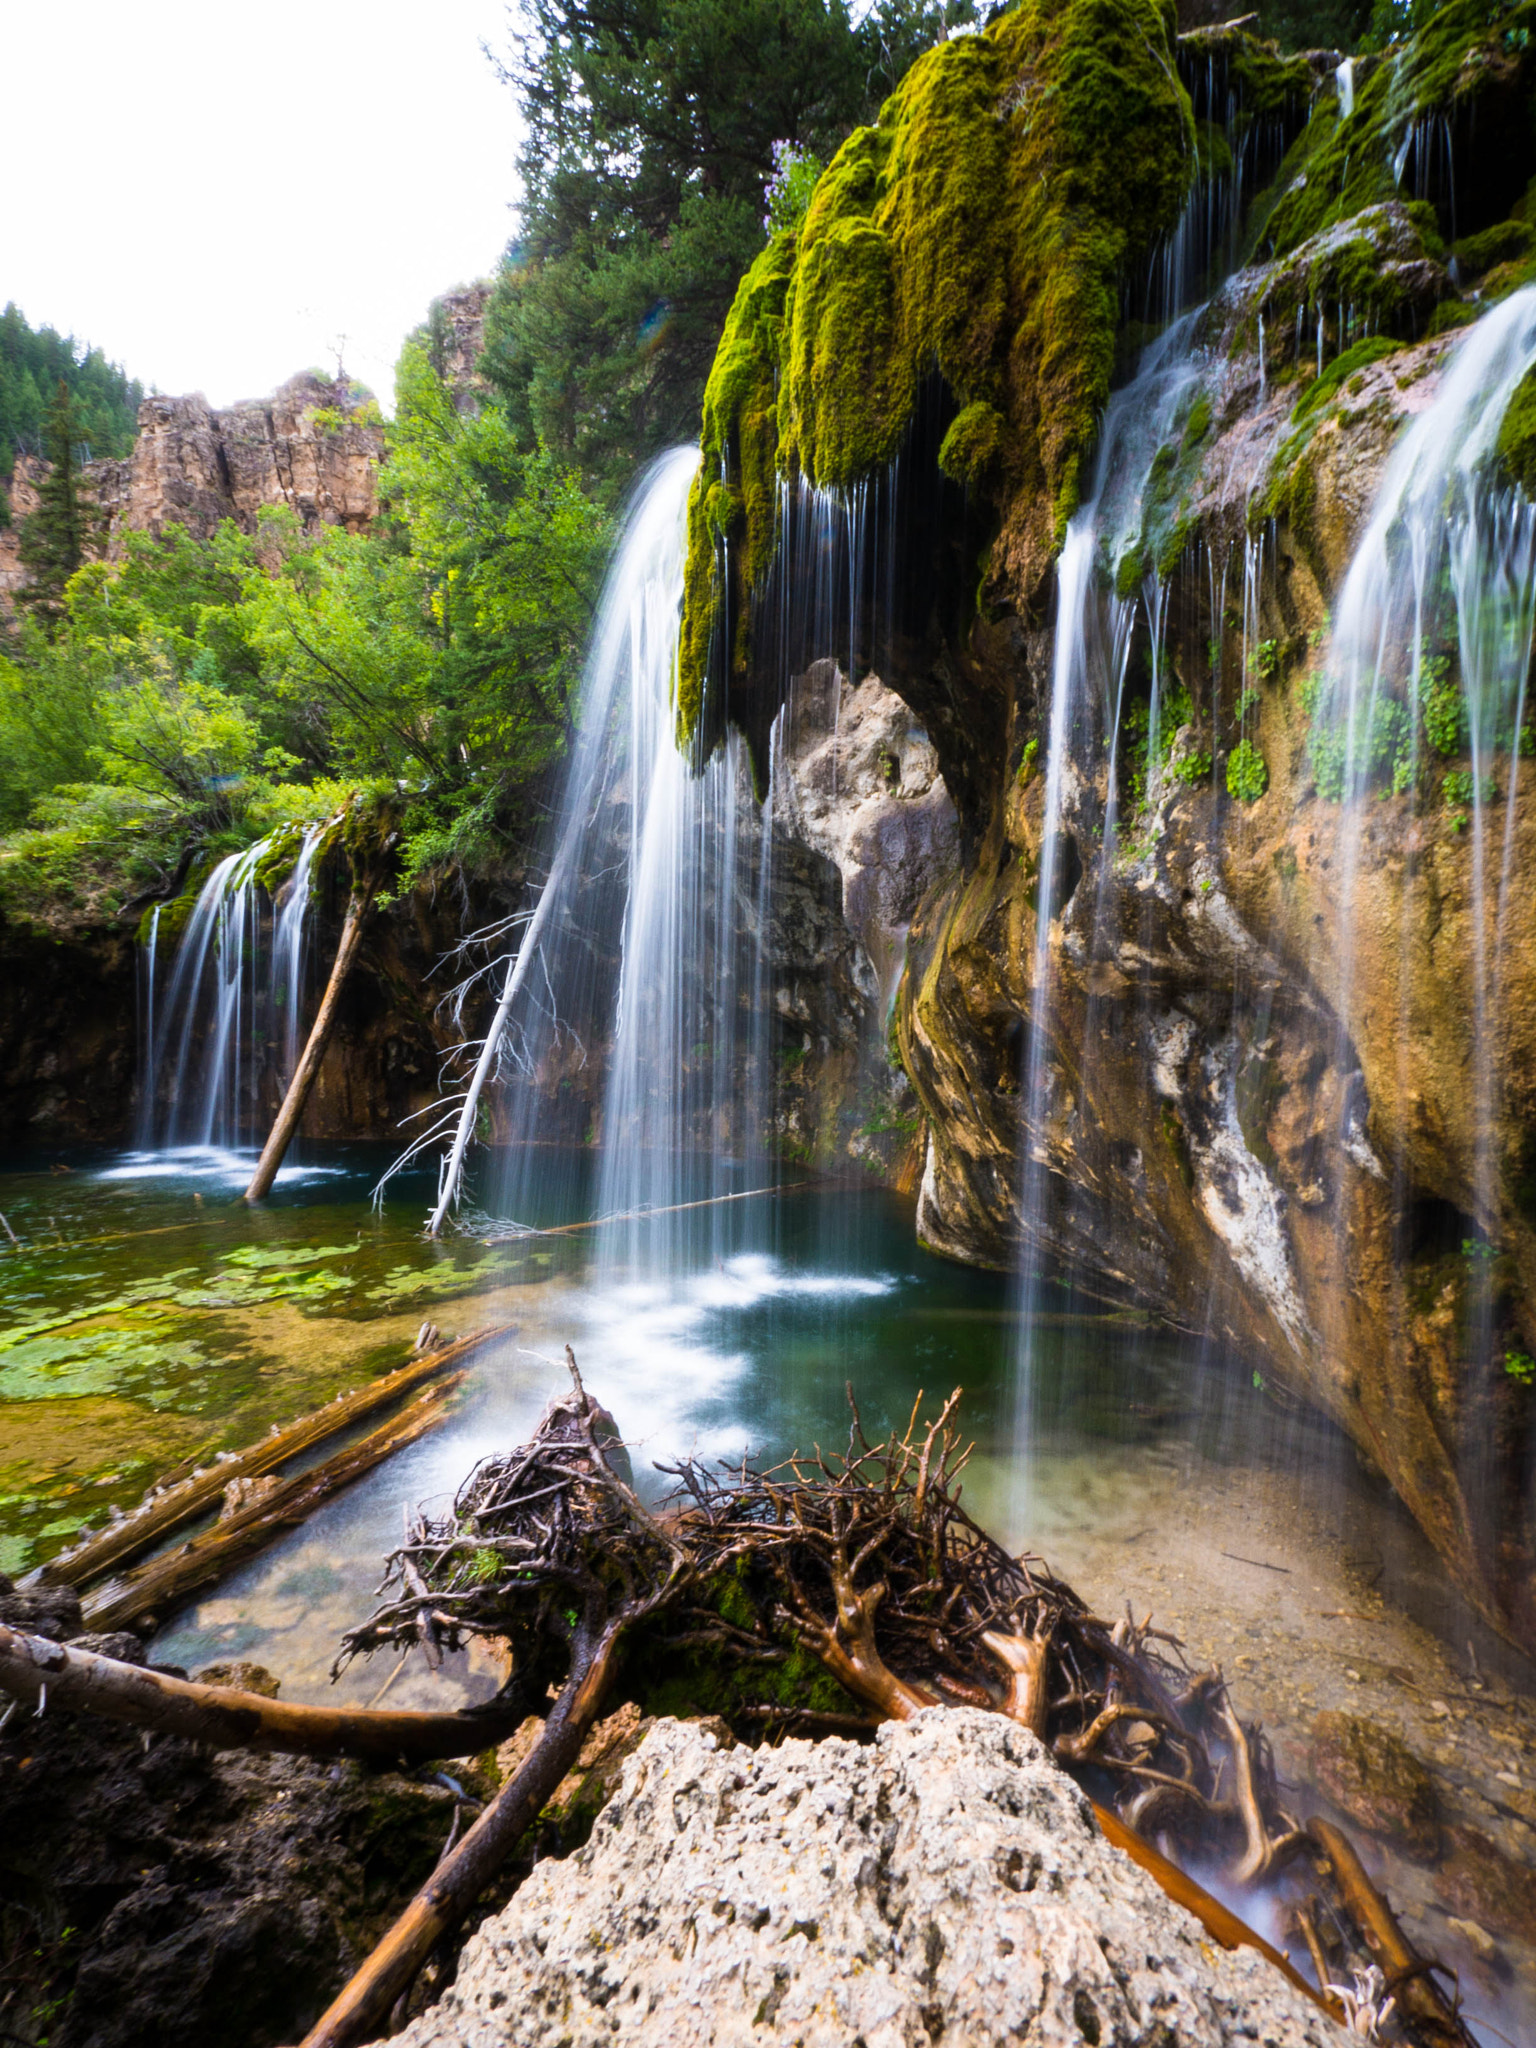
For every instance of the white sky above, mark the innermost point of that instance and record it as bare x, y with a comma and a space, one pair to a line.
215, 191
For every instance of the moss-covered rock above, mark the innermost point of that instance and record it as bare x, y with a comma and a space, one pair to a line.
1517, 436
1466, 55
980, 229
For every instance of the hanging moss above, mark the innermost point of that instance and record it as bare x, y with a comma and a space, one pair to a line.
973, 447
740, 441
981, 228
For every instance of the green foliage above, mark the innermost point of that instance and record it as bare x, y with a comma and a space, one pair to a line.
1192, 767
204, 693
1521, 1368
1247, 773
789, 188
1265, 660
1459, 786
33, 364
1441, 704
653, 130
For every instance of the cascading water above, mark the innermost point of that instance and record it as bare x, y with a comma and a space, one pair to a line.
1087, 677
227, 1010
670, 860
1433, 629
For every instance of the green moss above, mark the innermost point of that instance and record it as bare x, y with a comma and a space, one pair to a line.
1337, 373
1171, 553
1516, 452
735, 495
1198, 425
1455, 57
973, 447
1129, 571
981, 229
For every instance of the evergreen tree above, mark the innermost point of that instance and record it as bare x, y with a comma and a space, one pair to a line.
32, 363
650, 133
55, 539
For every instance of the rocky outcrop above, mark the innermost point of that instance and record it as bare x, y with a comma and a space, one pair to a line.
945, 1882
455, 337
313, 447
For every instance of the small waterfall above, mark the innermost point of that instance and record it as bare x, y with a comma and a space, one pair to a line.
227, 1008
291, 930
1090, 650
1434, 627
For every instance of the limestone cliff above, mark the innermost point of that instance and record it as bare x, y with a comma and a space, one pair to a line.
314, 446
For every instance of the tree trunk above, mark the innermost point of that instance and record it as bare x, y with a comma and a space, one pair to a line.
281, 1135
166, 1508
169, 1581
363, 2008
43, 1675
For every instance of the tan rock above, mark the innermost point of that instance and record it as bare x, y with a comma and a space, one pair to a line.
1373, 1777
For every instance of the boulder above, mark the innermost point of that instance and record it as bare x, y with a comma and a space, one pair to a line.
945, 1882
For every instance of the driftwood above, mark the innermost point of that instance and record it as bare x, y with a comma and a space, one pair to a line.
575, 1560
48, 1676
171, 1506
280, 1137
1409, 1978
168, 1581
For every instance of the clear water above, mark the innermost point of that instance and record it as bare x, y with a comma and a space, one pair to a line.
150, 1317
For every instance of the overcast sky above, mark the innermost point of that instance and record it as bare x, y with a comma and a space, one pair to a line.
220, 194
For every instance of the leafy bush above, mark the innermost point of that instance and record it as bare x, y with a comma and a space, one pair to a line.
1247, 773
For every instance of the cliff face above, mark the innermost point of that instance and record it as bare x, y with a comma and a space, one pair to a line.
312, 446
1271, 1075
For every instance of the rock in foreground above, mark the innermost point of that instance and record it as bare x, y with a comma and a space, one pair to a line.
946, 1883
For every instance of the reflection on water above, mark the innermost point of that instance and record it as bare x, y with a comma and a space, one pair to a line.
148, 1317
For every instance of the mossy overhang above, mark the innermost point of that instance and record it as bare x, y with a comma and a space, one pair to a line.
981, 228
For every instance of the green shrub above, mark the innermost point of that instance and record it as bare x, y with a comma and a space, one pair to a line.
1247, 773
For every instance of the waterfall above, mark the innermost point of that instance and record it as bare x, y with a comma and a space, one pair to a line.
226, 1008
1434, 623
291, 928
1087, 675
669, 858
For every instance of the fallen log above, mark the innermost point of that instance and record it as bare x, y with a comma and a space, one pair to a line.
170, 1580
280, 1137
1409, 1976
42, 1674
365, 2003
168, 1508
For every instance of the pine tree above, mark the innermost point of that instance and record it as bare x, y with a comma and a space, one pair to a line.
56, 538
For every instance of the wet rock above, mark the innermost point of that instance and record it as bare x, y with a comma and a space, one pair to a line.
1373, 1777
243, 1677
1479, 1882
944, 1882
52, 1611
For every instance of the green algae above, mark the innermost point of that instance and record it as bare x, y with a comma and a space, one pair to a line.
979, 230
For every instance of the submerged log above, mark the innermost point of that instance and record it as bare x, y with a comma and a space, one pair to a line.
167, 1582
47, 1676
166, 1509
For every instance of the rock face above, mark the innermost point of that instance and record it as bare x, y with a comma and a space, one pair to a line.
314, 446
946, 1882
